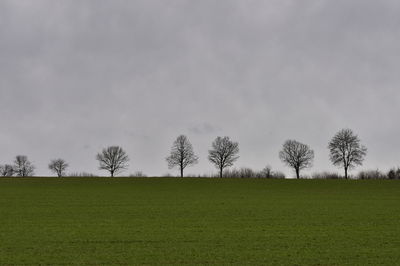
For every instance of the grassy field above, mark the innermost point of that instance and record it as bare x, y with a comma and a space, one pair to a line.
199, 221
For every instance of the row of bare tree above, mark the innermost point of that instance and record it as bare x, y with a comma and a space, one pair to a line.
20, 167
345, 151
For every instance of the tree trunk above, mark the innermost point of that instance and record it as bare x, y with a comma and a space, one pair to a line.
345, 172
181, 171
112, 173
220, 172
298, 173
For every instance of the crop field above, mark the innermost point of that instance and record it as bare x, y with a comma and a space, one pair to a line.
164, 221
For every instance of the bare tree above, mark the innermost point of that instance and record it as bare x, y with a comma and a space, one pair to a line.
6, 170
113, 159
58, 166
266, 172
346, 151
224, 153
296, 155
394, 173
182, 154
23, 167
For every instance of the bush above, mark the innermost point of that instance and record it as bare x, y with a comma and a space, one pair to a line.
278, 175
371, 174
239, 173
394, 173
246, 172
138, 174
326, 175
82, 174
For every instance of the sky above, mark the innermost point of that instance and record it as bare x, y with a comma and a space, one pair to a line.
78, 76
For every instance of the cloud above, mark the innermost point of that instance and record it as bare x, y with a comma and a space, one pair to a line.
203, 129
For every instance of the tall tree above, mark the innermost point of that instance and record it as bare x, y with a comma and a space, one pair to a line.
23, 167
113, 159
182, 154
58, 166
224, 153
346, 150
6, 170
296, 155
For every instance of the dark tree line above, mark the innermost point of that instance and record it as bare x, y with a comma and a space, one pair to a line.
22, 167
345, 151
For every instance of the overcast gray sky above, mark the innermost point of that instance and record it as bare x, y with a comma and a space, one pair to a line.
76, 76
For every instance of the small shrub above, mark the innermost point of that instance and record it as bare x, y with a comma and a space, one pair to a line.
278, 175
82, 174
138, 174
394, 173
371, 174
326, 175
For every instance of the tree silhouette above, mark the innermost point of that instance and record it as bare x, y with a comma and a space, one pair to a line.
224, 153
182, 154
58, 166
6, 170
23, 167
346, 151
296, 155
113, 159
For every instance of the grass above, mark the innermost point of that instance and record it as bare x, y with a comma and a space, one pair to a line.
168, 221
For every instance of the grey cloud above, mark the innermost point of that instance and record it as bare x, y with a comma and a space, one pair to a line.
203, 129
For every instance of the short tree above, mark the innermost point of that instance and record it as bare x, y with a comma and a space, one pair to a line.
266, 172
224, 153
394, 173
6, 170
23, 167
296, 155
58, 166
113, 159
182, 154
346, 151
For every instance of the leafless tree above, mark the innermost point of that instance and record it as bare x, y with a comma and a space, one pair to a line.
224, 153
58, 166
113, 159
296, 155
23, 167
266, 172
6, 170
346, 151
394, 173
182, 154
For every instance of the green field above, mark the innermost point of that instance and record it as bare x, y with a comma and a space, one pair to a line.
168, 221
